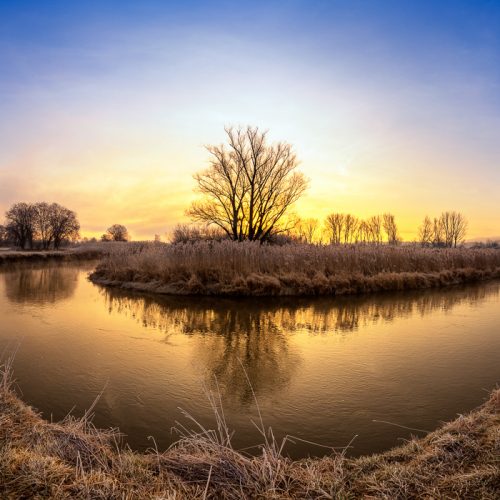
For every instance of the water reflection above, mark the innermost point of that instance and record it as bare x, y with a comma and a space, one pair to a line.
274, 315
235, 340
250, 337
45, 284
323, 369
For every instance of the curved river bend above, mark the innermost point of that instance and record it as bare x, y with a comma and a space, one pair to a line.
324, 370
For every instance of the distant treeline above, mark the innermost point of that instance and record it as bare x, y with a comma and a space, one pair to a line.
250, 186
247, 193
447, 230
43, 226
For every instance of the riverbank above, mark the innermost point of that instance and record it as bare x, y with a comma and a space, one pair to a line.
73, 459
8, 257
250, 269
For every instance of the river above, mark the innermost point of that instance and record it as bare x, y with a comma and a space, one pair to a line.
331, 371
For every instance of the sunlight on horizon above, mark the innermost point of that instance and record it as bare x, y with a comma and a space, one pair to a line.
108, 107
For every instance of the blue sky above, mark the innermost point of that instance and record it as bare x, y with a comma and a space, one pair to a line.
391, 105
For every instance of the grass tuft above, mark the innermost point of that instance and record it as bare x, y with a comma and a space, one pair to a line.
73, 459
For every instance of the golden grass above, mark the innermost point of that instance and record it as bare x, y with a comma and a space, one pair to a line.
248, 268
73, 459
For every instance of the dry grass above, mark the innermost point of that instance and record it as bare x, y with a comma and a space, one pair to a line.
229, 268
10, 257
81, 251
72, 459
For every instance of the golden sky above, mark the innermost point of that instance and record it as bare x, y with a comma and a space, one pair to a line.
106, 107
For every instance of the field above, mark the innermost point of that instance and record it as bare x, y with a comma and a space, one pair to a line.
73, 459
245, 269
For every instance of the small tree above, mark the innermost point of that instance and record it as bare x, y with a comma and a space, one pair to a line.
374, 229
425, 232
391, 229
454, 226
363, 233
437, 232
335, 228
116, 232
351, 226
307, 230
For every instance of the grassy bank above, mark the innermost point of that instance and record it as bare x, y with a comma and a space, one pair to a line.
72, 459
228, 268
9, 257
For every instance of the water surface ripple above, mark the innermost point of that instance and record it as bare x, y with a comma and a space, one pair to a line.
324, 369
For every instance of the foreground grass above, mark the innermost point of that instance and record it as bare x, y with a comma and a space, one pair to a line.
229, 268
73, 459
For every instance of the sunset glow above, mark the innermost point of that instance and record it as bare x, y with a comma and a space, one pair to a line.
106, 106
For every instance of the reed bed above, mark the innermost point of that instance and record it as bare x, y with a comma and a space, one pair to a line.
249, 268
73, 459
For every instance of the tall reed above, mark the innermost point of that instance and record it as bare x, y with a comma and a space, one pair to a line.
249, 268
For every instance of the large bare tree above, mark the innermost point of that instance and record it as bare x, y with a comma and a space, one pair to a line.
21, 224
49, 224
249, 186
43, 223
64, 224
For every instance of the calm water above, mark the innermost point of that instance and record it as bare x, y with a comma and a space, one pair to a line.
323, 370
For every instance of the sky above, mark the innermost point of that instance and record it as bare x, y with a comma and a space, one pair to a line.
391, 106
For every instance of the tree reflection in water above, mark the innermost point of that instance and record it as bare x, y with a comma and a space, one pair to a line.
41, 284
254, 333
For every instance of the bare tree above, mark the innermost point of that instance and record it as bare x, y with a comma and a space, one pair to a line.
437, 232
307, 230
43, 223
117, 232
374, 225
391, 229
425, 232
335, 228
21, 224
351, 225
64, 224
249, 186
363, 232
454, 226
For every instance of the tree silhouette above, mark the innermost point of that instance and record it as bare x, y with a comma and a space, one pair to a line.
249, 186
117, 232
